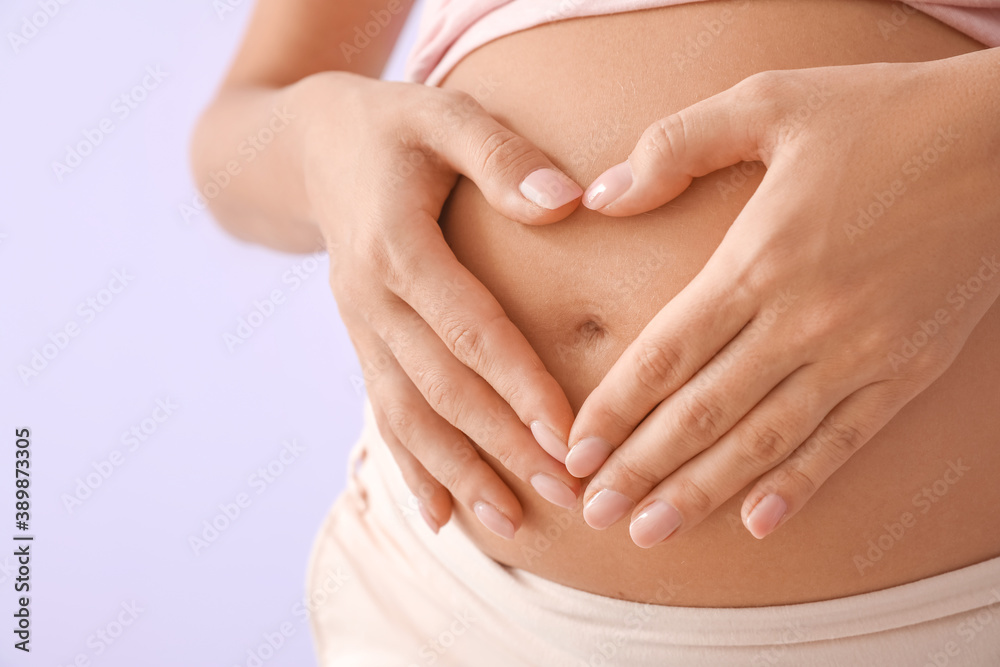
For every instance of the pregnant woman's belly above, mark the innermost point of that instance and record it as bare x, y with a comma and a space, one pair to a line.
920, 499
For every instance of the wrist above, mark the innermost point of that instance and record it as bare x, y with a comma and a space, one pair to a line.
325, 102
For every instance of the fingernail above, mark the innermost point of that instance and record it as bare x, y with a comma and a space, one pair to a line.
654, 524
428, 519
605, 508
766, 515
549, 188
587, 456
553, 490
494, 520
549, 441
609, 186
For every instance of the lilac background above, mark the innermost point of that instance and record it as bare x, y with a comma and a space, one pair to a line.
160, 338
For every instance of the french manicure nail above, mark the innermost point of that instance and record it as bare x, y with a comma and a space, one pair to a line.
764, 517
549, 441
428, 519
549, 188
654, 524
605, 508
609, 186
587, 456
492, 518
553, 490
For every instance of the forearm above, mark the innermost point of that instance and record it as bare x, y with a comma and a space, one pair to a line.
247, 158
248, 150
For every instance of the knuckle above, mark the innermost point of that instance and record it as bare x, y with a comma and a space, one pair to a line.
468, 483
760, 96
441, 393
657, 366
694, 499
842, 440
506, 457
371, 251
792, 478
666, 139
631, 476
400, 420
466, 340
699, 419
765, 445
500, 153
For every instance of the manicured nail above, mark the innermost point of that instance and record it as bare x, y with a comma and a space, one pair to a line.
609, 186
549, 188
553, 490
587, 456
428, 519
654, 524
549, 441
765, 516
494, 520
605, 508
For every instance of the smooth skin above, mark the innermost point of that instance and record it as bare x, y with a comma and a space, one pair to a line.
362, 171
816, 323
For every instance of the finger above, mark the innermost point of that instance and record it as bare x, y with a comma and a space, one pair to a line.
690, 421
664, 356
761, 440
467, 402
714, 133
473, 326
516, 178
433, 500
781, 493
437, 445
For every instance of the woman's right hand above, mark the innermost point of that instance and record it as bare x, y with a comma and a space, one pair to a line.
440, 358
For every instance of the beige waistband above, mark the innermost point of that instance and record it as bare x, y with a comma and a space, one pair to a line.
419, 589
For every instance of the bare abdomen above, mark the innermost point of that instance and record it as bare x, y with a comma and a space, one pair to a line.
582, 289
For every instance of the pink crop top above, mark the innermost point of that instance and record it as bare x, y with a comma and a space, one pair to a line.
451, 29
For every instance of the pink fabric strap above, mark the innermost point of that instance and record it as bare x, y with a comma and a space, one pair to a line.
451, 29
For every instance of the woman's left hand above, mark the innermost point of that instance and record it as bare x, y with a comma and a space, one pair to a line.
848, 283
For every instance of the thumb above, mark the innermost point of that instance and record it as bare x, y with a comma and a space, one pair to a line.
709, 135
516, 178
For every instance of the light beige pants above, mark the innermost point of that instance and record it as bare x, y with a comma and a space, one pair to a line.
399, 596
